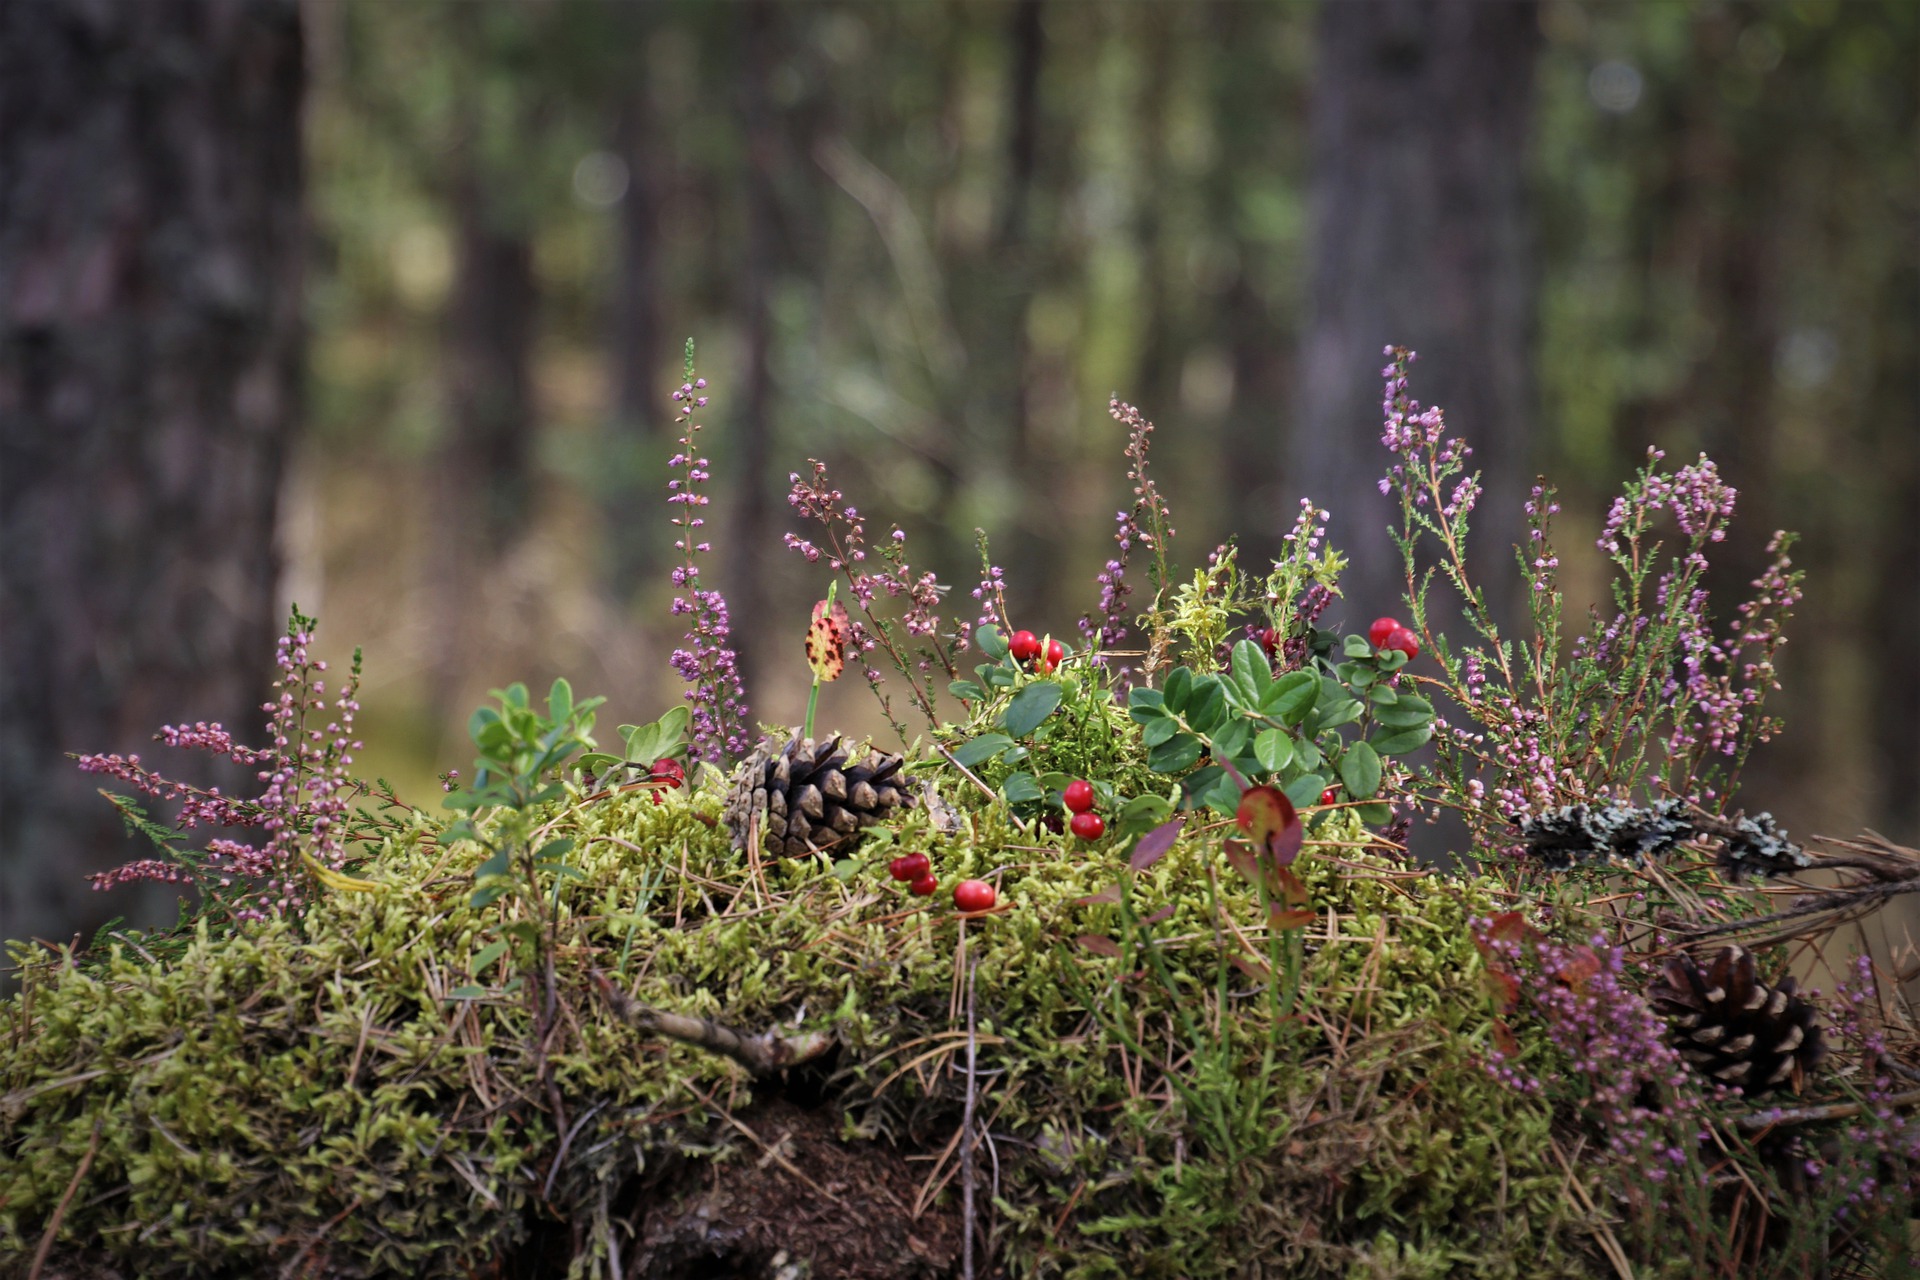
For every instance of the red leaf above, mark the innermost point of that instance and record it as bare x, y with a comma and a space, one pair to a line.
1153, 846
827, 640
1267, 815
1252, 968
1511, 926
1241, 859
1100, 946
1288, 887
1581, 964
1504, 988
1285, 919
1159, 915
1108, 895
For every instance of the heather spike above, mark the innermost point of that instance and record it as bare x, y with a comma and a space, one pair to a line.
707, 661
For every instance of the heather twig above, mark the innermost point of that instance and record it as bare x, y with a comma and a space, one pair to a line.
305, 808
707, 662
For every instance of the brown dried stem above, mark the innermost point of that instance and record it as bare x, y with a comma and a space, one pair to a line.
762, 1054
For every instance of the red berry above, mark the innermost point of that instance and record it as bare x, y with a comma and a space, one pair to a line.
1025, 646
1078, 796
1330, 796
1089, 826
925, 885
1382, 628
1270, 641
1405, 641
909, 866
669, 772
1055, 652
973, 895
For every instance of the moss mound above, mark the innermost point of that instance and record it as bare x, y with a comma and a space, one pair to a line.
342, 1095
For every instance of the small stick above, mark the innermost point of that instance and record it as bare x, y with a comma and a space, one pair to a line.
966, 1143
1761, 1120
761, 1054
60, 1210
969, 774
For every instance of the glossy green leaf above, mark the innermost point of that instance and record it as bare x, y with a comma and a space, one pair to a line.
1305, 790
1030, 706
990, 641
1021, 788
1232, 737
1159, 730
1273, 749
1178, 688
1344, 710
1360, 771
1182, 751
1407, 709
1252, 671
1397, 742
1357, 647
1292, 696
966, 689
1206, 705
981, 749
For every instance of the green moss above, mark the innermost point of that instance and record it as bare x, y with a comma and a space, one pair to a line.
310, 1088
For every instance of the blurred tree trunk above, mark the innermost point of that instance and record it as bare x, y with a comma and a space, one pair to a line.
638, 347
750, 543
1422, 238
485, 472
151, 234
490, 359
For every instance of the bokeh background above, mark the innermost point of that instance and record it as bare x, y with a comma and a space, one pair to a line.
376, 306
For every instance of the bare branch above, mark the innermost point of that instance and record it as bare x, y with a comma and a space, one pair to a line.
762, 1054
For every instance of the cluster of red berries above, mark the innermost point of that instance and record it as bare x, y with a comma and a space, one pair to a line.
1079, 798
1045, 655
915, 870
1387, 633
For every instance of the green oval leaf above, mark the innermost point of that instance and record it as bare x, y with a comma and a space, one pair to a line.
1207, 705
1159, 730
1344, 711
1179, 687
1291, 696
1305, 790
1030, 706
981, 749
1232, 738
1360, 771
1020, 788
990, 641
1408, 709
1273, 749
1182, 751
1251, 671
966, 689
1398, 742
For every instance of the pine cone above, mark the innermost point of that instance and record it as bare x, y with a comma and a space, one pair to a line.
1734, 1028
807, 798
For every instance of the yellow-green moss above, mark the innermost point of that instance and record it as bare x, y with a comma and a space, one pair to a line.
309, 1088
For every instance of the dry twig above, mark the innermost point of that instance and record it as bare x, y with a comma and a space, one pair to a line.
761, 1054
